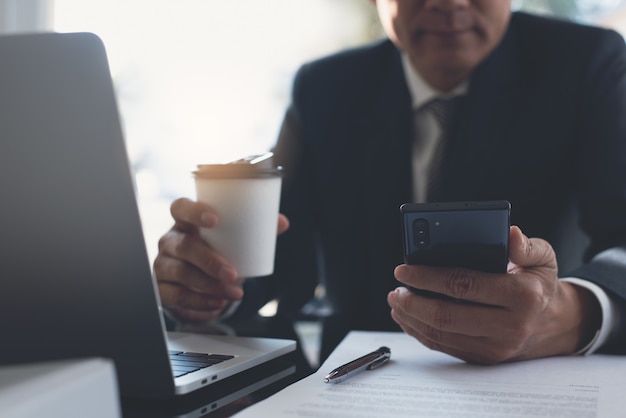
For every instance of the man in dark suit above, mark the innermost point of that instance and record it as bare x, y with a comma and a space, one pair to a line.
540, 123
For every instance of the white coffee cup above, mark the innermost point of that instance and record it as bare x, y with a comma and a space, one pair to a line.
246, 198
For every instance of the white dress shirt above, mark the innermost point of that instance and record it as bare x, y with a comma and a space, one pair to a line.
428, 132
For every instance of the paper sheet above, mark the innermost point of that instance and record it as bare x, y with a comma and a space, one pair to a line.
418, 382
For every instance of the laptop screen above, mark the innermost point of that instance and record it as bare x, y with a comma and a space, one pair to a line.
76, 280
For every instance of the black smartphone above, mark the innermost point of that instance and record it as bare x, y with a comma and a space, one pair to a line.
474, 235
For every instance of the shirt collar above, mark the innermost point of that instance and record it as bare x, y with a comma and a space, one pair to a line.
420, 91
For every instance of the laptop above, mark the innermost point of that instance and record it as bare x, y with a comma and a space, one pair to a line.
75, 279
231, 395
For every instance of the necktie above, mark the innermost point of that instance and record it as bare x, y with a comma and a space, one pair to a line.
444, 110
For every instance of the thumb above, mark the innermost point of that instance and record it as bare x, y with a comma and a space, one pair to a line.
283, 223
529, 252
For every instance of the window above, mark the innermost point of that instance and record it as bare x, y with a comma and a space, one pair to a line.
206, 81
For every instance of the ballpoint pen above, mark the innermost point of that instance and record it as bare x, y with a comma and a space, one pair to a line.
369, 361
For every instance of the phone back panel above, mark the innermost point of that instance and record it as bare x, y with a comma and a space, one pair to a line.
461, 234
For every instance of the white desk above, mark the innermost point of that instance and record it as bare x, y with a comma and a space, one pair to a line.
67, 389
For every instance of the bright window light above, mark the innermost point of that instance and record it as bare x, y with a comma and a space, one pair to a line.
206, 81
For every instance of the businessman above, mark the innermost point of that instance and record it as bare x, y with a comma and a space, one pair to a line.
538, 120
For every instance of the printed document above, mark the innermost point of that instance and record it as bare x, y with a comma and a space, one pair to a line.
418, 382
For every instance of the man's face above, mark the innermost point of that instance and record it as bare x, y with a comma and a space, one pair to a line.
445, 39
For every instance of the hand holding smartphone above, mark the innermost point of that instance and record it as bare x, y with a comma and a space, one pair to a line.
472, 235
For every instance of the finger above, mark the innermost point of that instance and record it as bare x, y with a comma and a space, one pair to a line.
480, 350
175, 271
458, 283
529, 252
283, 223
444, 316
191, 249
480, 355
187, 212
190, 306
436, 345
475, 346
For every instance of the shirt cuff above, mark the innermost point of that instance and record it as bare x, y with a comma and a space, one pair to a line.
610, 315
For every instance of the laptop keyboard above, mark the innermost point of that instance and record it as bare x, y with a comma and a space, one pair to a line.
186, 362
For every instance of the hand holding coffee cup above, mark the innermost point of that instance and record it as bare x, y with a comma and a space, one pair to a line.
246, 196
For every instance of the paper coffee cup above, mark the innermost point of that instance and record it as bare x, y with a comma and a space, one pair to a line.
246, 198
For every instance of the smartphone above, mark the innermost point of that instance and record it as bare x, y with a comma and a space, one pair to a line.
473, 235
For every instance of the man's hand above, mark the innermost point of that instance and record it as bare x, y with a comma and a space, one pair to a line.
196, 284
523, 314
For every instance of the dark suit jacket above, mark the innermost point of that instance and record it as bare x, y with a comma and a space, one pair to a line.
543, 126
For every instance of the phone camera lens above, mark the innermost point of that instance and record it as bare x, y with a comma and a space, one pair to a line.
421, 233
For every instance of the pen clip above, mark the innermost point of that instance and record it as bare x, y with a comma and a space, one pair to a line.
369, 361
379, 362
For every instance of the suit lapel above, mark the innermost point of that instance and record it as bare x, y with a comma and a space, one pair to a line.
389, 133
387, 179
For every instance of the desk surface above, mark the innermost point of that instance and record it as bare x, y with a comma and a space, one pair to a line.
230, 396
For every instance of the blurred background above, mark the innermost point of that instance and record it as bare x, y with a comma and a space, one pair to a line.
207, 81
